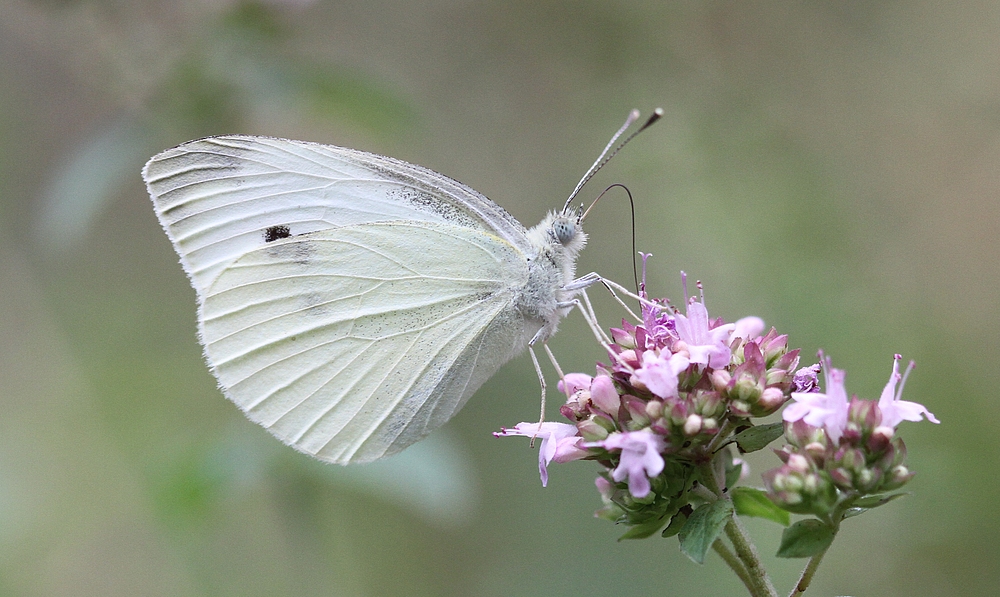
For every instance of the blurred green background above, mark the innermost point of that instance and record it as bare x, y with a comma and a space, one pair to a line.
829, 166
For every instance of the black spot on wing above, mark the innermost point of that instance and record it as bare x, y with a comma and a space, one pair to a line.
276, 232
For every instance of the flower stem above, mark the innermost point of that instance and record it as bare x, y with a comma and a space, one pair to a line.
807, 575
721, 436
747, 553
734, 563
760, 584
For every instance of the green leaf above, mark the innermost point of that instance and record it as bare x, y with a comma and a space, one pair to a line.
754, 502
732, 469
869, 502
703, 528
757, 438
676, 524
646, 529
874, 501
805, 539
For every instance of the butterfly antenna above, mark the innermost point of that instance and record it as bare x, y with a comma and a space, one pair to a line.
631, 203
608, 153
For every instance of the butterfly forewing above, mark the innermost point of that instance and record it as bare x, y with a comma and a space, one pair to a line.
219, 197
354, 342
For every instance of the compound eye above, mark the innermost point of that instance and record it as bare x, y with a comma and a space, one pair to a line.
564, 230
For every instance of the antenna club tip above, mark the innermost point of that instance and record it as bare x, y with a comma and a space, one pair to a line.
656, 115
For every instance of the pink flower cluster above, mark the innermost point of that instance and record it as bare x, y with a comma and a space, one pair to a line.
681, 391
840, 448
675, 382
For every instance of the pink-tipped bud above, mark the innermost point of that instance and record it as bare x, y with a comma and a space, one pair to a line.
628, 358
798, 463
604, 396
880, 439
623, 338
817, 452
771, 400
720, 379
842, 478
637, 411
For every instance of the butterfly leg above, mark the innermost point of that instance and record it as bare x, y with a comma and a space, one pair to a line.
541, 382
583, 282
587, 310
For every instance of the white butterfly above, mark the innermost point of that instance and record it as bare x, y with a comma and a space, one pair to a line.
351, 303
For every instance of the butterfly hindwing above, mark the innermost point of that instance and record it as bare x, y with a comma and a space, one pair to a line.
353, 342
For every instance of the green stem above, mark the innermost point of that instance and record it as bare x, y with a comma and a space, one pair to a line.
835, 518
734, 563
760, 584
747, 553
807, 575
721, 436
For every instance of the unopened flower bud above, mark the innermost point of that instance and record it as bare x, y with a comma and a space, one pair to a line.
637, 411
810, 484
604, 396
879, 440
790, 483
654, 409
864, 413
900, 451
720, 379
771, 400
800, 433
628, 358
896, 478
709, 425
746, 389
739, 408
817, 452
623, 338
842, 477
708, 403
788, 361
678, 413
592, 430
692, 425
660, 427
868, 479
798, 463
773, 345
850, 458
776, 377
851, 434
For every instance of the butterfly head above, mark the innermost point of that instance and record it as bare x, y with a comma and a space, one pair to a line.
565, 229
558, 239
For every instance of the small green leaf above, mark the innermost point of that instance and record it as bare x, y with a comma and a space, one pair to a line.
757, 438
874, 501
869, 502
646, 529
754, 502
805, 539
732, 469
703, 527
676, 524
